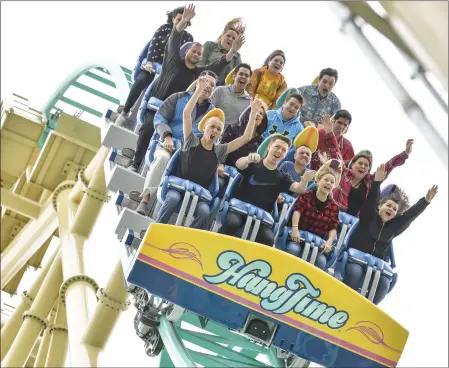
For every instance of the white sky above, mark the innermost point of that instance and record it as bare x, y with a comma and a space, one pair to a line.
42, 42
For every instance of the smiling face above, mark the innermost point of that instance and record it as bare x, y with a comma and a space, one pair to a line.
205, 94
213, 128
277, 150
360, 168
326, 183
193, 55
388, 210
325, 85
303, 155
290, 108
340, 126
228, 38
241, 79
276, 64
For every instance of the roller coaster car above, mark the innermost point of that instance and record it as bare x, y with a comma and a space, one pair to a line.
267, 295
374, 267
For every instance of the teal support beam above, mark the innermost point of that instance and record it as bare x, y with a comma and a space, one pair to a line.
174, 345
100, 79
95, 92
81, 106
165, 361
208, 342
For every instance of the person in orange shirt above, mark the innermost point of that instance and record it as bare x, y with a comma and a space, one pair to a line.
267, 82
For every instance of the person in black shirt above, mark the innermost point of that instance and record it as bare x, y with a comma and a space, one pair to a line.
378, 225
261, 185
179, 69
200, 157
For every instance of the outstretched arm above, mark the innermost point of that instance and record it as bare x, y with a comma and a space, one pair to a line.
187, 16
404, 221
256, 104
301, 187
188, 109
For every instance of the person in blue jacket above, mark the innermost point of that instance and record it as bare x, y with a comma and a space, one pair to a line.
168, 125
379, 223
285, 120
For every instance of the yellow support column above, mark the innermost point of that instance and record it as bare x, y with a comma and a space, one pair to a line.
57, 350
113, 299
12, 326
36, 319
41, 356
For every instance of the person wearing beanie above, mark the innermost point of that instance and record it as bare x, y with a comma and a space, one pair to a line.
200, 156
316, 212
356, 180
214, 51
233, 98
331, 140
168, 125
180, 68
380, 222
261, 184
319, 98
267, 82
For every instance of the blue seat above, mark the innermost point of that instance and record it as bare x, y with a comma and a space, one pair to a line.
190, 189
288, 202
375, 267
255, 216
151, 103
155, 141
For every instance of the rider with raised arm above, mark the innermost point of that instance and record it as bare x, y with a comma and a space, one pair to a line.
356, 180
215, 50
179, 70
168, 124
155, 56
316, 212
200, 157
379, 223
261, 185
331, 139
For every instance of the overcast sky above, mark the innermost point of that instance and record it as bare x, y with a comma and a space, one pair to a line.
42, 42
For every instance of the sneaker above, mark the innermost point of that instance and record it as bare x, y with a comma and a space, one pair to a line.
135, 195
142, 208
135, 167
121, 120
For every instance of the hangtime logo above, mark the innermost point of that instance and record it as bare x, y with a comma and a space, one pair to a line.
298, 294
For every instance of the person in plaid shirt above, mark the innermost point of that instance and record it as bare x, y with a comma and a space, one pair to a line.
356, 180
316, 212
331, 139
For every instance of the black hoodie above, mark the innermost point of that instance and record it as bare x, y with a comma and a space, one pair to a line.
371, 235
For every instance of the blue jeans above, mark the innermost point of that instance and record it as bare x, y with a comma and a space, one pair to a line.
297, 249
354, 276
172, 201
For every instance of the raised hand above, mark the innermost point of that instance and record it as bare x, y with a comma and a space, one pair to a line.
238, 43
254, 158
431, 193
408, 146
380, 174
308, 175
201, 83
327, 123
256, 103
189, 13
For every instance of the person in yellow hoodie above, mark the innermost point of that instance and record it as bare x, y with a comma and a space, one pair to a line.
267, 82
